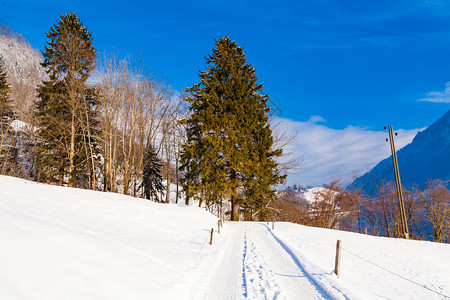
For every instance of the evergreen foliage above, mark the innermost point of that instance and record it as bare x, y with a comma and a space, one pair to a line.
229, 149
66, 108
152, 178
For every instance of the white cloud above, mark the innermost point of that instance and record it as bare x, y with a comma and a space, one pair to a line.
439, 97
316, 119
330, 153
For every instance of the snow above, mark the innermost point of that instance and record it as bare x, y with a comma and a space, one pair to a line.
255, 266
20, 59
311, 194
65, 243
371, 267
18, 125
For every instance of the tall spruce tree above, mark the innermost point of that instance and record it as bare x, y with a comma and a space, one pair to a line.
6, 115
66, 108
229, 149
151, 175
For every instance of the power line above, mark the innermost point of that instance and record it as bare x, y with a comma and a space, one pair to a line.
398, 184
332, 160
378, 266
398, 275
324, 161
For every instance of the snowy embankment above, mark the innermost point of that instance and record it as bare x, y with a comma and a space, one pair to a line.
63, 243
371, 267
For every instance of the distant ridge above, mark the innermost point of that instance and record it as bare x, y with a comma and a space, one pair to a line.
7, 31
23, 63
24, 70
426, 157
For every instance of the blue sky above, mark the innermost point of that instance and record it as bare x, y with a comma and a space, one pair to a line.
334, 64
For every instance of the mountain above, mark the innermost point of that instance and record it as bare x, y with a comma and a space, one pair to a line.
18, 56
426, 157
7, 31
23, 68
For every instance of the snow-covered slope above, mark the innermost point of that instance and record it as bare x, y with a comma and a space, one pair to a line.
310, 195
371, 267
23, 63
23, 69
64, 243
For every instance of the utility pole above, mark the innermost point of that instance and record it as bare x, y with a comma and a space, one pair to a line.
398, 184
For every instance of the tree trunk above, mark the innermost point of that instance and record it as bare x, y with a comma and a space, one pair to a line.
72, 149
200, 202
176, 174
234, 210
167, 179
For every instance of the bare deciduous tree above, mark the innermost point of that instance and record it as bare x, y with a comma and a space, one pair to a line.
133, 108
331, 205
437, 205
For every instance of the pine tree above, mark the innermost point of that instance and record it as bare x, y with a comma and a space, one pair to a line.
229, 150
67, 105
152, 178
6, 115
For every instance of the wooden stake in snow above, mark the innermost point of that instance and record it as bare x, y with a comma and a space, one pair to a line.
210, 241
273, 225
218, 226
337, 265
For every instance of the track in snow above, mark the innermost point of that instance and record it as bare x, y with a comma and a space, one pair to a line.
253, 265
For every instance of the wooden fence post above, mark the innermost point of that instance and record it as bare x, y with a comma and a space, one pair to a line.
218, 226
337, 265
210, 241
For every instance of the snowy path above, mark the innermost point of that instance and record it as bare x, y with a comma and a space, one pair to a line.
253, 265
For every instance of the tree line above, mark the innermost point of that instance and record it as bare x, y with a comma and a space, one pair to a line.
377, 213
104, 124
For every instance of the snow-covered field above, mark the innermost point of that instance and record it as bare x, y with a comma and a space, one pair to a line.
63, 243
371, 267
